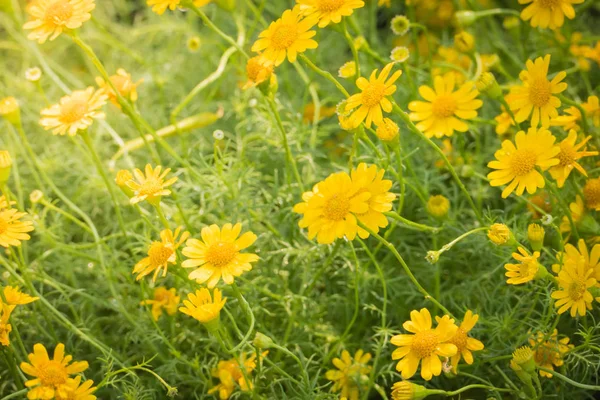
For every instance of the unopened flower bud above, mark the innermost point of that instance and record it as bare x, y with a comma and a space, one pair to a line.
465, 18
124, 176
438, 206
5, 166
405, 390
488, 85
523, 357
387, 131
262, 341
535, 235
36, 196
400, 25
500, 235
464, 42
9, 109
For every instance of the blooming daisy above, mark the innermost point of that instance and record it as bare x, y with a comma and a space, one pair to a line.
425, 345
49, 374
124, 84
373, 97
50, 18
526, 270
328, 11
164, 298
349, 373
577, 209
445, 109
592, 109
230, 375
574, 280
218, 255
548, 13
150, 185
286, 37
568, 156
536, 97
204, 307
591, 194
438, 206
160, 254
329, 211
75, 390
463, 342
591, 260
516, 163
74, 112
12, 229
258, 70
548, 353
568, 121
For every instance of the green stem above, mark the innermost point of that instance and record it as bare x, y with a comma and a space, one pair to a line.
415, 225
249, 316
570, 381
324, 74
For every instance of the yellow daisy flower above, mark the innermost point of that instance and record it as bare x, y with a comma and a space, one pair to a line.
499, 234
591, 260
387, 131
536, 97
74, 112
373, 97
50, 18
516, 163
438, 206
592, 108
568, 156
160, 6
12, 229
350, 374
548, 13
258, 70
549, 353
14, 296
463, 342
526, 270
123, 83
230, 375
348, 70
75, 390
569, 120
161, 254
49, 374
328, 11
5, 327
425, 345
574, 280
150, 185
577, 209
445, 109
164, 299
218, 254
286, 37
204, 307
591, 194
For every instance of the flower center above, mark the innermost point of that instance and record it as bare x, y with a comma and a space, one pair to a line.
529, 268
444, 106
337, 207
52, 373
59, 12
221, 253
460, 339
73, 111
425, 343
576, 290
373, 94
284, 36
159, 254
540, 91
523, 162
330, 5
567, 154
548, 3
150, 187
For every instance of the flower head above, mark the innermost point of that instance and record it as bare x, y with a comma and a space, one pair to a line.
574, 280
425, 345
526, 270
160, 6
14, 296
387, 131
463, 342
328, 11
229, 373
204, 307
161, 254
258, 70
9, 109
548, 13
373, 97
286, 37
75, 390
5, 327
590, 259
351, 373
549, 352
400, 54
12, 229
348, 70
445, 109
150, 184
164, 299
49, 18
124, 84
438, 206
499, 234
400, 25
536, 96
218, 255
591, 194
74, 112
405, 390
49, 374
516, 163
568, 156
33, 74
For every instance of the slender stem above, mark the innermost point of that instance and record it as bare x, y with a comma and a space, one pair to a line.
570, 381
249, 316
412, 224
400, 177
324, 74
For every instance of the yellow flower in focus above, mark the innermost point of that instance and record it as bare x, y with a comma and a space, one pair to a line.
549, 353
591, 194
548, 13
463, 342
286, 37
568, 156
14, 296
230, 375
150, 185
568, 121
577, 209
204, 307
123, 83
387, 131
373, 98
438, 206
75, 390
574, 280
516, 163
425, 345
535, 236
445, 109
536, 97
164, 298
49, 374
160, 6
591, 260
348, 70
350, 374
258, 70
499, 234
328, 11
74, 112
218, 255
160, 254
526, 270
12, 229
592, 109
50, 18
